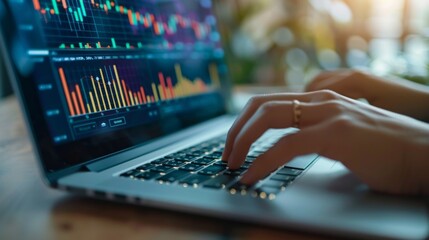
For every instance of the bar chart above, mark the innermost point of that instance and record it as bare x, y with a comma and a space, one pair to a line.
106, 89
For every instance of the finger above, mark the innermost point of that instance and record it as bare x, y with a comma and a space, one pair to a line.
277, 115
304, 142
312, 86
253, 105
343, 82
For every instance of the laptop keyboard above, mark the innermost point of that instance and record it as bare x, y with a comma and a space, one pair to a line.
201, 166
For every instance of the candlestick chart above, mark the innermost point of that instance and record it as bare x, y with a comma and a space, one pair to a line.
114, 24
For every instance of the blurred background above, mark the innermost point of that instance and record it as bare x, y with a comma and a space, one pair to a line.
287, 42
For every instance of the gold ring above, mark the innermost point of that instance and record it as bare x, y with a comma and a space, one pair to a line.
297, 112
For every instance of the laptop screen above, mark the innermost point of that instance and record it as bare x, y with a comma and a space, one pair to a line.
100, 76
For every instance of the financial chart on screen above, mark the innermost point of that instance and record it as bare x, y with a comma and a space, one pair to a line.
111, 64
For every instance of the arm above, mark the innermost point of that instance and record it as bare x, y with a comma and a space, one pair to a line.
394, 94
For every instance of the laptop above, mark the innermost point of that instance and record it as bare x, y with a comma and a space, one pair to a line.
128, 101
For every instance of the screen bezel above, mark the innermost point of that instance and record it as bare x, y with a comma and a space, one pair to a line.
89, 150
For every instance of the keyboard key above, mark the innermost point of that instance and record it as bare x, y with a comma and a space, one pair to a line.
195, 179
220, 181
160, 161
183, 159
161, 169
221, 163
146, 166
209, 156
212, 170
274, 184
174, 176
203, 161
148, 175
236, 172
191, 156
289, 171
302, 162
282, 178
174, 163
191, 167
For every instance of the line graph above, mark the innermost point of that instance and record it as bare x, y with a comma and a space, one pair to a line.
96, 24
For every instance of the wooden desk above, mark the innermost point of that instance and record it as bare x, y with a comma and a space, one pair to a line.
30, 210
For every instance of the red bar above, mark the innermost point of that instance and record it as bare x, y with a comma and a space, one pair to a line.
79, 95
181, 21
140, 97
196, 28
64, 4
162, 81
130, 17
152, 99
36, 4
170, 86
143, 94
75, 103
138, 16
66, 91
126, 93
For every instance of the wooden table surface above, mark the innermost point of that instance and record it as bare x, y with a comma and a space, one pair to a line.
30, 210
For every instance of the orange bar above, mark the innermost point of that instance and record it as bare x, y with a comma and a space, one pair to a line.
130, 17
92, 2
121, 9
146, 22
125, 91
75, 103
105, 8
143, 94
36, 4
156, 28
79, 95
64, 4
138, 16
170, 86
66, 91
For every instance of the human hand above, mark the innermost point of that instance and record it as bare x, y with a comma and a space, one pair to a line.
385, 150
396, 95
